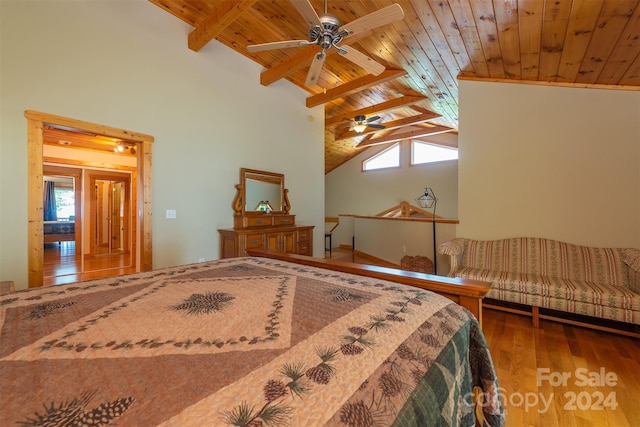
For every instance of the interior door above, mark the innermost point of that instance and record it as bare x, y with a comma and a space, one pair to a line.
110, 220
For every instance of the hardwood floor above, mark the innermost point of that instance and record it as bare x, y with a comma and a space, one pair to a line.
62, 265
563, 375
557, 375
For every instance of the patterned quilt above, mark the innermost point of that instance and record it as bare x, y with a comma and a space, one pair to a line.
242, 342
59, 227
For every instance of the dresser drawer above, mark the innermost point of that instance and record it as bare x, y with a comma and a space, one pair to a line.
304, 248
304, 235
284, 219
255, 240
259, 221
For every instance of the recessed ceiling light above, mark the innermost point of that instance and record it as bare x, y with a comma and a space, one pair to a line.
64, 142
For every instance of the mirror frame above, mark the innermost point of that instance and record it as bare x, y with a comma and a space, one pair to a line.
239, 203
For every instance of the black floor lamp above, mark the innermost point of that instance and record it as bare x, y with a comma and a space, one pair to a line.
429, 200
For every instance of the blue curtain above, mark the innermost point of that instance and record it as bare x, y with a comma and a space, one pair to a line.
50, 211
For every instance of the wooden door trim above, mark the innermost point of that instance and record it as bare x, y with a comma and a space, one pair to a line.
35, 140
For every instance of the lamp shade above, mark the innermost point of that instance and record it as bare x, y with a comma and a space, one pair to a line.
427, 199
360, 127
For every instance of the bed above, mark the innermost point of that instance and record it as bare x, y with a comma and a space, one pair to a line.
59, 231
254, 341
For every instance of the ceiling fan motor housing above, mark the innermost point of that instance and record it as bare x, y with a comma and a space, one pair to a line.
328, 35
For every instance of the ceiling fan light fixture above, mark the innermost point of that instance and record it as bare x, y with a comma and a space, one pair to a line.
360, 127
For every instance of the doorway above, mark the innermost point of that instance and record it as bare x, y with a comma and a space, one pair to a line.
110, 216
62, 222
140, 210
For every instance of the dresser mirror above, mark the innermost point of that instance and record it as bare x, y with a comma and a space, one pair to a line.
263, 190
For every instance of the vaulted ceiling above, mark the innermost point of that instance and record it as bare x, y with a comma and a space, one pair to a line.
585, 43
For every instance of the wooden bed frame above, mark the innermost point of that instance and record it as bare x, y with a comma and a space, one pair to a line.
52, 238
467, 293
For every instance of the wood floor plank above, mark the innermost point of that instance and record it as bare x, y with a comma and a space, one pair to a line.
62, 265
521, 353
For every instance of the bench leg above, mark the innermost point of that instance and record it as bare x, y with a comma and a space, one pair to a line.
535, 316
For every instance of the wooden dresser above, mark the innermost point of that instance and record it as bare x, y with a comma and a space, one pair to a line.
291, 239
261, 227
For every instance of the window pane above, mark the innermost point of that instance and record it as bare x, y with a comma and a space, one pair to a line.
422, 152
65, 203
388, 158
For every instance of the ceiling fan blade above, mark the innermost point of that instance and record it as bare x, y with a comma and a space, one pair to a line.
348, 119
308, 12
373, 119
371, 125
362, 60
277, 45
314, 69
375, 19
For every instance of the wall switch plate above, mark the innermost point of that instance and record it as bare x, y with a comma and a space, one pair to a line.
171, 214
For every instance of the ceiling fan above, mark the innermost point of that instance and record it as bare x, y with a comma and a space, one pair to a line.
360, 123
327, 30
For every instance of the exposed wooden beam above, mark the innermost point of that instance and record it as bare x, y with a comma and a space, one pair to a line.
353, 86
418, 133
224, 14
289, 66
396, 124
298, 62
383, 107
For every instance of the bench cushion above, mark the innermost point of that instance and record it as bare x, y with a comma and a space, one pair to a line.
541, 290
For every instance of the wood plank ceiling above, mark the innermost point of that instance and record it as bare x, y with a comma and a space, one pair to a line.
585, 43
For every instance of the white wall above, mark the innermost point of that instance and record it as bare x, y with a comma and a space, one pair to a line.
351, 191
127, 65
555, 162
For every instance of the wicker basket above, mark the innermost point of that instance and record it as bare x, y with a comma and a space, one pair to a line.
418, 263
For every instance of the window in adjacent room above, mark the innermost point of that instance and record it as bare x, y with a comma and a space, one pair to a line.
389, 158
424, 152
65, 203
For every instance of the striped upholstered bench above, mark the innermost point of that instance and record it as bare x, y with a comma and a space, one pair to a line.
549, 274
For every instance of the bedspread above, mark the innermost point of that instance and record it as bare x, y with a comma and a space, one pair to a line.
244, 342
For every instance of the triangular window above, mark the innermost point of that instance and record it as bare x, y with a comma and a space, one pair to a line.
424, 152
389, 158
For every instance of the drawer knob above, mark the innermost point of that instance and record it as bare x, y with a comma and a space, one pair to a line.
254, 241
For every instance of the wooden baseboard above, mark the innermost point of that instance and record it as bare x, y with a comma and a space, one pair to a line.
554, 316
